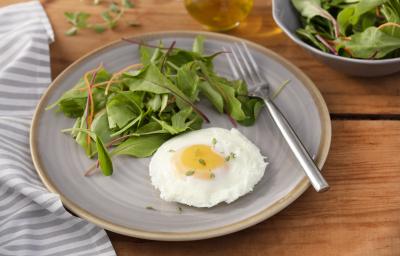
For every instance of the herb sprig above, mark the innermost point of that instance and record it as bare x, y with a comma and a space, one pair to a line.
111, 17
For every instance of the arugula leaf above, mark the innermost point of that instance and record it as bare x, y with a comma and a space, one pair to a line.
372, 43
311, 9
232, 105
143, 146
122, 108
104, 158
155, 102
178, 120
212, 95
100, 126
251, 108
187, 80
352, 15
149, 80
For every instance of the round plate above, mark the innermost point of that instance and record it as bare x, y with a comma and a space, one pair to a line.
118, 203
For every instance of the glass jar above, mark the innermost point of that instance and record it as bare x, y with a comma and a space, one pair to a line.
219, 15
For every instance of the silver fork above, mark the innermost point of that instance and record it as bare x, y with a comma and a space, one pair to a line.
243, 66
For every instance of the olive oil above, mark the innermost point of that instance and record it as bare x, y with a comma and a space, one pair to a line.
219, 15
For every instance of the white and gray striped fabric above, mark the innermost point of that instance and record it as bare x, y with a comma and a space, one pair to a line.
32, 220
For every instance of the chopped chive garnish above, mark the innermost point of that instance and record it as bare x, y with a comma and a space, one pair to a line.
202, 162
214, 141
150, 208
189, 173
231, 156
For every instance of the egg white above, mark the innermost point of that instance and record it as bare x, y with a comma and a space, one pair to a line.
245, 170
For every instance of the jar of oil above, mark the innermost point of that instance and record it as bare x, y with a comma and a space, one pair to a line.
219, 15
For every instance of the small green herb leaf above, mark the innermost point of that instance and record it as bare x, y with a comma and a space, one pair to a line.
127, 4
214, 141
72, 31
114, 7
133, 23
202, 162
98, 28
190, 173
104, 158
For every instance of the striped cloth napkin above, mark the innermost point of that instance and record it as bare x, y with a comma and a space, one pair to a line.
32, 220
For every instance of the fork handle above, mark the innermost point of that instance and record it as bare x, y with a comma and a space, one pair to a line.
298, 149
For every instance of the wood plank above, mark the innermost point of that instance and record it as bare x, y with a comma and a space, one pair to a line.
343, 94
360, 215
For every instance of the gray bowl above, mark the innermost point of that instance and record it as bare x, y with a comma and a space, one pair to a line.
287, 18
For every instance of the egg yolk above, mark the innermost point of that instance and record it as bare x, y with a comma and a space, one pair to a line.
198, 161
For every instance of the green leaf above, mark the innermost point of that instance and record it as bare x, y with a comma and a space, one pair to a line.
251, 108
104, 158
128, 126
72, 31
308, 35
100, 126
78, 19
198, 45
178, 120
143, 146
372, 43
127, 4
111, 23
311, 9
150, 128
98, 28
122, 108
351, 15
164, 102
149, 80
114, 7
71, 17
391, 11
222, 86
155, 102
187, 80
212, 95
145, 55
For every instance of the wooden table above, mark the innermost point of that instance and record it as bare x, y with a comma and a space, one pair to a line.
360, 215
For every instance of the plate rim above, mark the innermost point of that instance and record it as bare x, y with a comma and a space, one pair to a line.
264, 214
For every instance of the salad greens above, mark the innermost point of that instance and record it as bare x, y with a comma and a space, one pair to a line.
364, 29
133, 111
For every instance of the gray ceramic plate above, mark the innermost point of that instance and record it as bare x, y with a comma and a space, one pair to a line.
118, 203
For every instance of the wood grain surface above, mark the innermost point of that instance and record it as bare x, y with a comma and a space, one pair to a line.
360, 215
